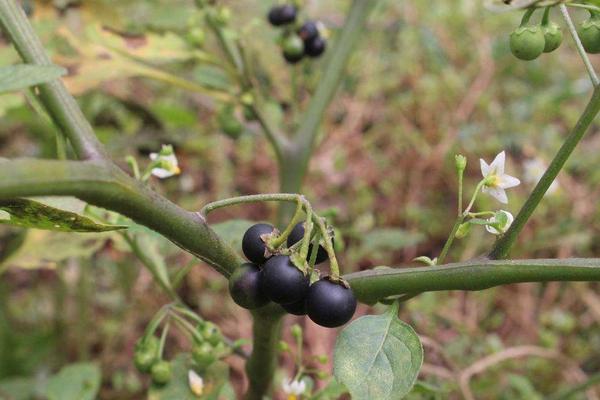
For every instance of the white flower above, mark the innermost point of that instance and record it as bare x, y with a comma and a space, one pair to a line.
293, 388
497, 180
165, 163
534, 169
500, 229
196, 383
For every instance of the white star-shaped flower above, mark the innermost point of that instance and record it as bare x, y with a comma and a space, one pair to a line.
500, 229
166, 163
196, 383
496, 180
293, 388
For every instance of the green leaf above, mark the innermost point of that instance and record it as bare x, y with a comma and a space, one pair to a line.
233, 231
17, 77
215, 378
378, 357
79, 381
28, 213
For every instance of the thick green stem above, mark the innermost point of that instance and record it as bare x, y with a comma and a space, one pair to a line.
503, 245
297, 155
58, 102
261, 366
106, 186
373, 285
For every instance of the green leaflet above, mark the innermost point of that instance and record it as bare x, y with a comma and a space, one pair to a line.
22, 76
28, 213
79, 381
378, 357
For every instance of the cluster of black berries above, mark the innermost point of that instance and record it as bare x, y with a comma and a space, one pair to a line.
268, 277
298, 41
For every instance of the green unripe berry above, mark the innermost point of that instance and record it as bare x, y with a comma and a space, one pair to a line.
196, 37
553, 37
211, 333
203, 354
161, 372
228, 122
527, 42
589, 33
144, 360
293, 46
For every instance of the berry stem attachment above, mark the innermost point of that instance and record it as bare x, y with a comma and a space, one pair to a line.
328, 244
573, 31
527, 16
546, 16
163, 339
308, 226
278, 241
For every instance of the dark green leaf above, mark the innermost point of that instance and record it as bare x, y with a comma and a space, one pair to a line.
378, 357
28, 213
79, 381
17, 77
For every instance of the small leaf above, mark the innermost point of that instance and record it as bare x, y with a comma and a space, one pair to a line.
17, 77
378, 357
28, 213
79, 381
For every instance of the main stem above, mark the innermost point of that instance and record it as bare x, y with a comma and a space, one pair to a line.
504, 244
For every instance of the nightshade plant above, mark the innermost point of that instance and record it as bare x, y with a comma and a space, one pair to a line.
364, 344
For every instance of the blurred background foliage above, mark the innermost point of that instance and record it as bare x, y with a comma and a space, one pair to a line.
428, 80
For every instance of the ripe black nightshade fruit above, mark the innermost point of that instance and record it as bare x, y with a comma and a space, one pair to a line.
297, 234
315, 47
252, 244
245, 288
308, 31
282, 15
282, 282
297, 308
330, 304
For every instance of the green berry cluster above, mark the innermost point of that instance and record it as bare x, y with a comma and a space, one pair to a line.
148, 359
529, 41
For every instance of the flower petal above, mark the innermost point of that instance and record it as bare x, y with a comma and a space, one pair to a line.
498, 163
485, 168
498, 193
507, 181
196, 383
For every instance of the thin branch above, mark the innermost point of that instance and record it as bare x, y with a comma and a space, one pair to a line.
373, 285
58, 102
504, 244
573, 31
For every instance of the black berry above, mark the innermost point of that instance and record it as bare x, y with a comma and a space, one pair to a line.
297, 234
282, 282
245, 288
308, 31
315, 47
253, 246
297, 308
282, 15
330, 304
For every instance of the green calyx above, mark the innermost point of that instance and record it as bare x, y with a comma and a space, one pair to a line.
553, 37
527, 42
589, 34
